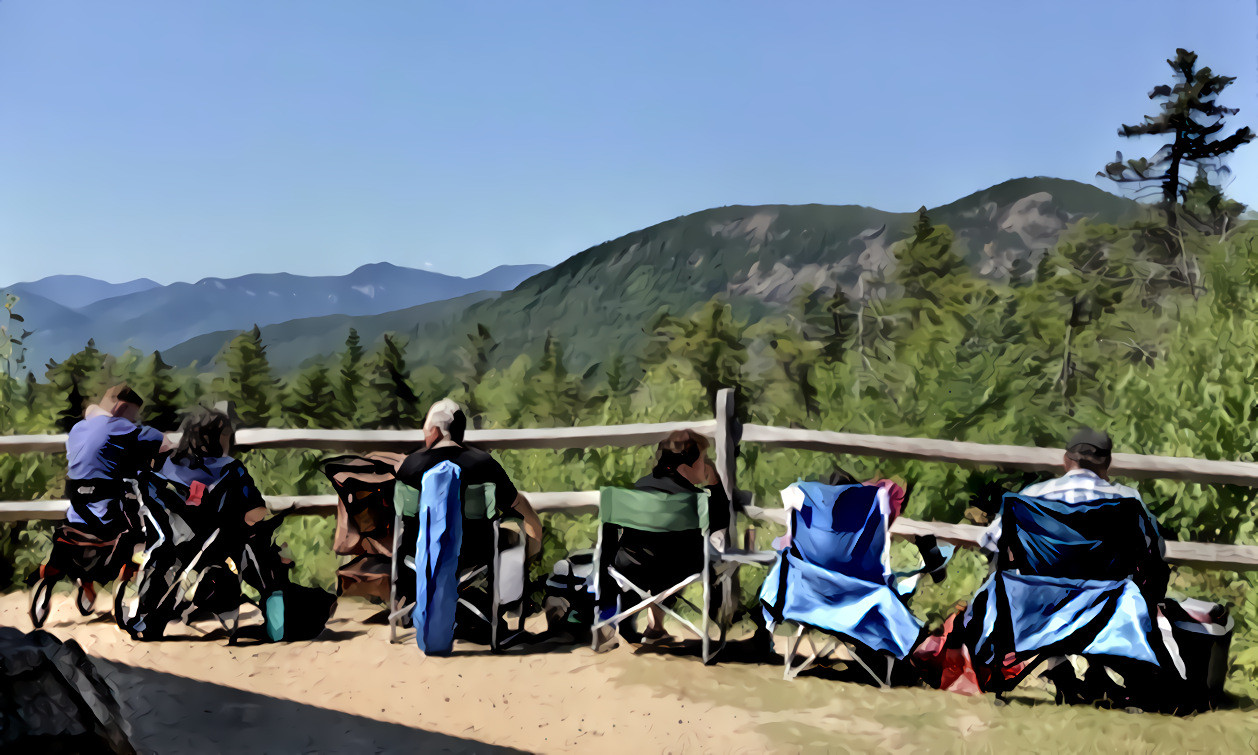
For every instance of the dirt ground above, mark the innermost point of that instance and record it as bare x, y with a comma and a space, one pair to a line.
351, 691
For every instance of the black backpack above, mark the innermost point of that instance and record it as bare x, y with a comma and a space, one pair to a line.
295, 613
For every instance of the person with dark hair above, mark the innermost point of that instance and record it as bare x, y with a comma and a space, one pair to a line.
656, 561
202, 459
444, 427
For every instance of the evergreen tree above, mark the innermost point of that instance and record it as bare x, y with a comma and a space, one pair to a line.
248, 382
556, 396
310, 400
708, 343
155, 382
1189, 114
79, 379
350, 383
475, 358
391, 401
926, 261
829, 320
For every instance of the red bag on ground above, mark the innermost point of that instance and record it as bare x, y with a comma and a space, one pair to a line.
944, 661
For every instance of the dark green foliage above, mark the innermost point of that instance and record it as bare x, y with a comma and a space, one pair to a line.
1190, 116
248, 382
350, 383
926, 261
79, 379
391, 402
155, 381
474, 359
309, 399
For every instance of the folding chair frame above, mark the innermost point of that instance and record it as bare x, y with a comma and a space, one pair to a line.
790, 670
905, 585
467, 578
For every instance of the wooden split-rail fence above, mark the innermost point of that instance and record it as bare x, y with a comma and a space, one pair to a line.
726, 435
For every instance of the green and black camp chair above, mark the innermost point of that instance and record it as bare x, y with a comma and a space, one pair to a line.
502, 578
662, 512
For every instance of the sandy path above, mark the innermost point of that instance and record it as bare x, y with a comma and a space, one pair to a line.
555, 701
351, 691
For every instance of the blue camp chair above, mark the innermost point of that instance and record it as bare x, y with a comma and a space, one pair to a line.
1063, 585
835, 577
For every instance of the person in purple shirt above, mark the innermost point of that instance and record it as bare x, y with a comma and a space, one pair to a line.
107, 446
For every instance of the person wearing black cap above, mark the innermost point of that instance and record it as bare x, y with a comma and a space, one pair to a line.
1086, 478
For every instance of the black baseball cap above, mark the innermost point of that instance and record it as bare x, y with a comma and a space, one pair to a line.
1090, 445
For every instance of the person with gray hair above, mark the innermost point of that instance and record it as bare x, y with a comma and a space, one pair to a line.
443, 441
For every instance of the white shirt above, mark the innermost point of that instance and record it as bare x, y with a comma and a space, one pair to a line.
1076, 486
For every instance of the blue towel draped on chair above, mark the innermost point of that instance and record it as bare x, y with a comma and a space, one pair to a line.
437, 558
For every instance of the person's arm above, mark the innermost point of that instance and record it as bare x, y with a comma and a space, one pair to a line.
253, 505
393, 459
989, 541
532, 524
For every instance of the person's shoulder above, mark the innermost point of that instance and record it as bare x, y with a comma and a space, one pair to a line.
1126, 491
476, 455
1037, 488
470, 457
414, 464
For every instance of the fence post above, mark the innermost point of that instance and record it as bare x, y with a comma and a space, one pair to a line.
727, 470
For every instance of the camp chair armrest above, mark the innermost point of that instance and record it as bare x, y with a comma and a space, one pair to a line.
737, 555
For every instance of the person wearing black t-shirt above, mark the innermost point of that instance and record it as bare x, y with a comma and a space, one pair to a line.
443, 441
656, 561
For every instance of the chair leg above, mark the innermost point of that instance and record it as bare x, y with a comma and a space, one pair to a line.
790, 655
496, 561
705, 641
876, 677
393, 558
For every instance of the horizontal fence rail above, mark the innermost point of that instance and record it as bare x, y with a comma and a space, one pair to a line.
1029, 458
727, 435
1202, 555
590, 436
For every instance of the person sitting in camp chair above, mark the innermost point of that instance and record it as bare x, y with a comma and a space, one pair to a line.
444, 427
203, 460
105, 448
1079, 526
1086, 478
655, 561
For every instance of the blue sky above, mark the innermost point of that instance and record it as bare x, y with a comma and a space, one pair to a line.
179, 140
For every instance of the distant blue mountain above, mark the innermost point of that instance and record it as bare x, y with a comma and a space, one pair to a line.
157, 317
76, 291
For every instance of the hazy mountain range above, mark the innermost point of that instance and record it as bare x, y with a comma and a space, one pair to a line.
596, 301
65, 311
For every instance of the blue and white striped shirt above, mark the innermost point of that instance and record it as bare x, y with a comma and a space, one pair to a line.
1076, 486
